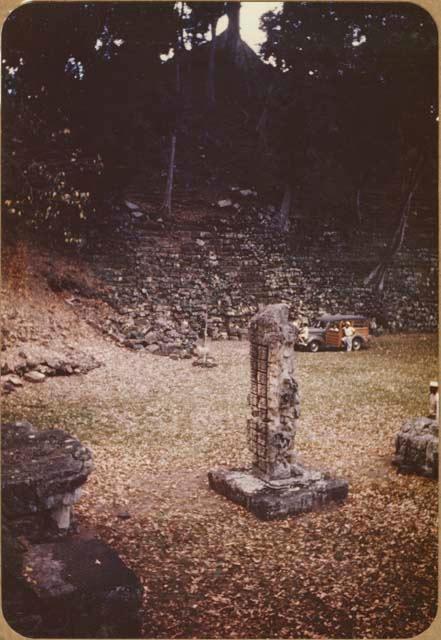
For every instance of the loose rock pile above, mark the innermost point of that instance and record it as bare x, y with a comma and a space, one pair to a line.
39, 363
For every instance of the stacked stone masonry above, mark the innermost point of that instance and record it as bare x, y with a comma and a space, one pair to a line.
161, 283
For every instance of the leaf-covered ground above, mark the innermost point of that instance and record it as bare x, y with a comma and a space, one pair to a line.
209, 568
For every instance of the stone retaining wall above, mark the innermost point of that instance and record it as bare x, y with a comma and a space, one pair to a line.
163, 283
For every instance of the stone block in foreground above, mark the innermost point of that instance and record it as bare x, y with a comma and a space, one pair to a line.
76, 588
416, 447
269, 501
42, 474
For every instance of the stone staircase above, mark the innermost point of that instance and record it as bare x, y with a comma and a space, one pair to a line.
164, 284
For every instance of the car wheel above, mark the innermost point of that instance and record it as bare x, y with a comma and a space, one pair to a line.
314, 346
357, 344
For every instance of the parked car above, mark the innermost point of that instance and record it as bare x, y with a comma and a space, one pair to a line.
327, 332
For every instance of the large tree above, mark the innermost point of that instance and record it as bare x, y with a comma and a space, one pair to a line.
203, 24
373, 69
83, 84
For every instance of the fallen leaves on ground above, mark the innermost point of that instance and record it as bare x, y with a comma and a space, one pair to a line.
208, 567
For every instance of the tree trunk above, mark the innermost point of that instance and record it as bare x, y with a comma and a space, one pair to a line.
262, 127
233, 30
360, 184
285, 210
211, 94
357, 206
178, 48
166, 205
377, 276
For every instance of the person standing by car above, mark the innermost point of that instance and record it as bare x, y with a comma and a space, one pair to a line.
348, 331
304, 334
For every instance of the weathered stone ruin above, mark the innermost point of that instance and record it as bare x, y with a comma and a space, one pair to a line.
42, 474
57, 582
159, 293
274, 397
416, 447
276, 485
75, 588
35, 365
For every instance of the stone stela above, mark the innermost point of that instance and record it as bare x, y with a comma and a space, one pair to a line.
274, 398
276, 485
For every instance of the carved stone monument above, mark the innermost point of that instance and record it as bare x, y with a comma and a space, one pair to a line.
276, 485
416, 447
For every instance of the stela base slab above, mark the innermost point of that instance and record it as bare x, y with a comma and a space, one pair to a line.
269, 501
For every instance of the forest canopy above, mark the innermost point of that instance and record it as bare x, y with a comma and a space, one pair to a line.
341, 97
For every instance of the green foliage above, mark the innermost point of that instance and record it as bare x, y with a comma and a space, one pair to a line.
83, 89
353, 91
202, 17
47, 181
356, 90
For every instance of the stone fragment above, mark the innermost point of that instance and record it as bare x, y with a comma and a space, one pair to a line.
137, 214
103, 594
136, 345
41, 470
15, 380
224, 203
61, 516
5, 367
131, 205
153, 348
151, 337
123, 514
34, 376
42, 368
416, 447
53, 363
205, 361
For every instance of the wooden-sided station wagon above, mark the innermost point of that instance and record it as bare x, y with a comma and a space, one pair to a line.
327, 331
